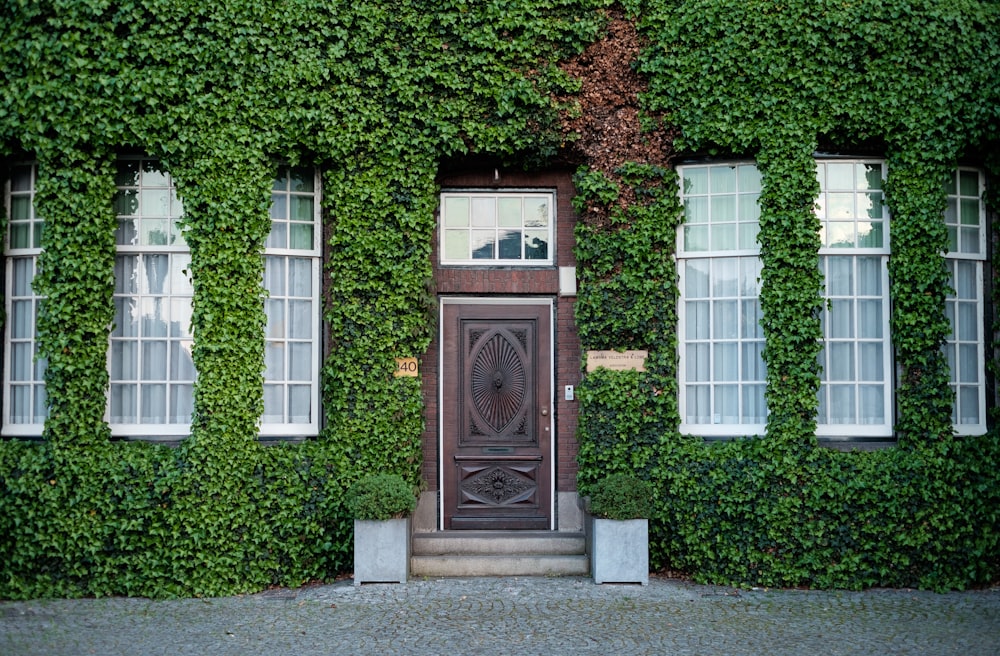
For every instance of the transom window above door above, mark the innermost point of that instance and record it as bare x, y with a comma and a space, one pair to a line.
497, 227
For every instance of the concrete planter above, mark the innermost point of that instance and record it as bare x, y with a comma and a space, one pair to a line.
381, 551
619, 550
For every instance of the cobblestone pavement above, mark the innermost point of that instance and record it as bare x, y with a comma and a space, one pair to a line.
512, 615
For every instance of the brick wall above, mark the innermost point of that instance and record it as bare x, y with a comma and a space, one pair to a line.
510, 281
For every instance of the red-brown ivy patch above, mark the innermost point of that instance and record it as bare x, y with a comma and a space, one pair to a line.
608, 125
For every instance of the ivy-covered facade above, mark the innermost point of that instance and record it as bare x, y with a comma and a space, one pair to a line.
233, 233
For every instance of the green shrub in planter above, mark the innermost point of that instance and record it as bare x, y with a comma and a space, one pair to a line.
381, 497
621, 496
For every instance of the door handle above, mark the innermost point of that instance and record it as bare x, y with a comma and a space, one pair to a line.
545, 412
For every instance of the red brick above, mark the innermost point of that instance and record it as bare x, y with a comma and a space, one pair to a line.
534, 281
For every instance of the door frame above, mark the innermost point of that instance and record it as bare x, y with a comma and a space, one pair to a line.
544, 301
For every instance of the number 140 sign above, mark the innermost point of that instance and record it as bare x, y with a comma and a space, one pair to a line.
406, 367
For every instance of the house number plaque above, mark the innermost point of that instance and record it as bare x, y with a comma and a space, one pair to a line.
406, 367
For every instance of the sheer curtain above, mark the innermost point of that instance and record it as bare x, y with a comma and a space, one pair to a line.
291, 306
721, 339
152, 373
855, 361
965, 220
25, 401
289, 353
853, 357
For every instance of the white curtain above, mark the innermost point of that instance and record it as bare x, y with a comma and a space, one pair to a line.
724, 369
854, 341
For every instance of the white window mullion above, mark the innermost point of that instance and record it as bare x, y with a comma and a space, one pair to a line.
855, 387
965, 219
722, 391
855, 395
24, 400
721, 394
488, 227
151, 369
292, 283
965, 348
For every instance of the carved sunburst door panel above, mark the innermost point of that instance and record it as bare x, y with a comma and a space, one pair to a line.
498, 391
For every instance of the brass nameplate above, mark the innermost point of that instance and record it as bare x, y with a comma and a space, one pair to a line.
617, 360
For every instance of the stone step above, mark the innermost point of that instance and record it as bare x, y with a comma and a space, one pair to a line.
498, 543
532, 565
499, 553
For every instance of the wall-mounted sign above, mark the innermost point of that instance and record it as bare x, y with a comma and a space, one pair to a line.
406, 367
617, 360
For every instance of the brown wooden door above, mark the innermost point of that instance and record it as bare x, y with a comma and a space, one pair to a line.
496, 416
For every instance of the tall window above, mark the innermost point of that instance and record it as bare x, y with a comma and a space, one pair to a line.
24, 400
721, 341
497, 228
855, 396
151, 367
149, 355
291, 277
152, 374
965, 218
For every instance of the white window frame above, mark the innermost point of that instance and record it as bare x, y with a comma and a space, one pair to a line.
963, 257
444, 229
855, 251
745, 252
154, 431
35, 384
139, 253
278, 248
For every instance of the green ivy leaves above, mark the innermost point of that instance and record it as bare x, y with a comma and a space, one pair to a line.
377, 93
627, 300
76, 277
374, 93
919, 283
914, 80
790, 289
730, 72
